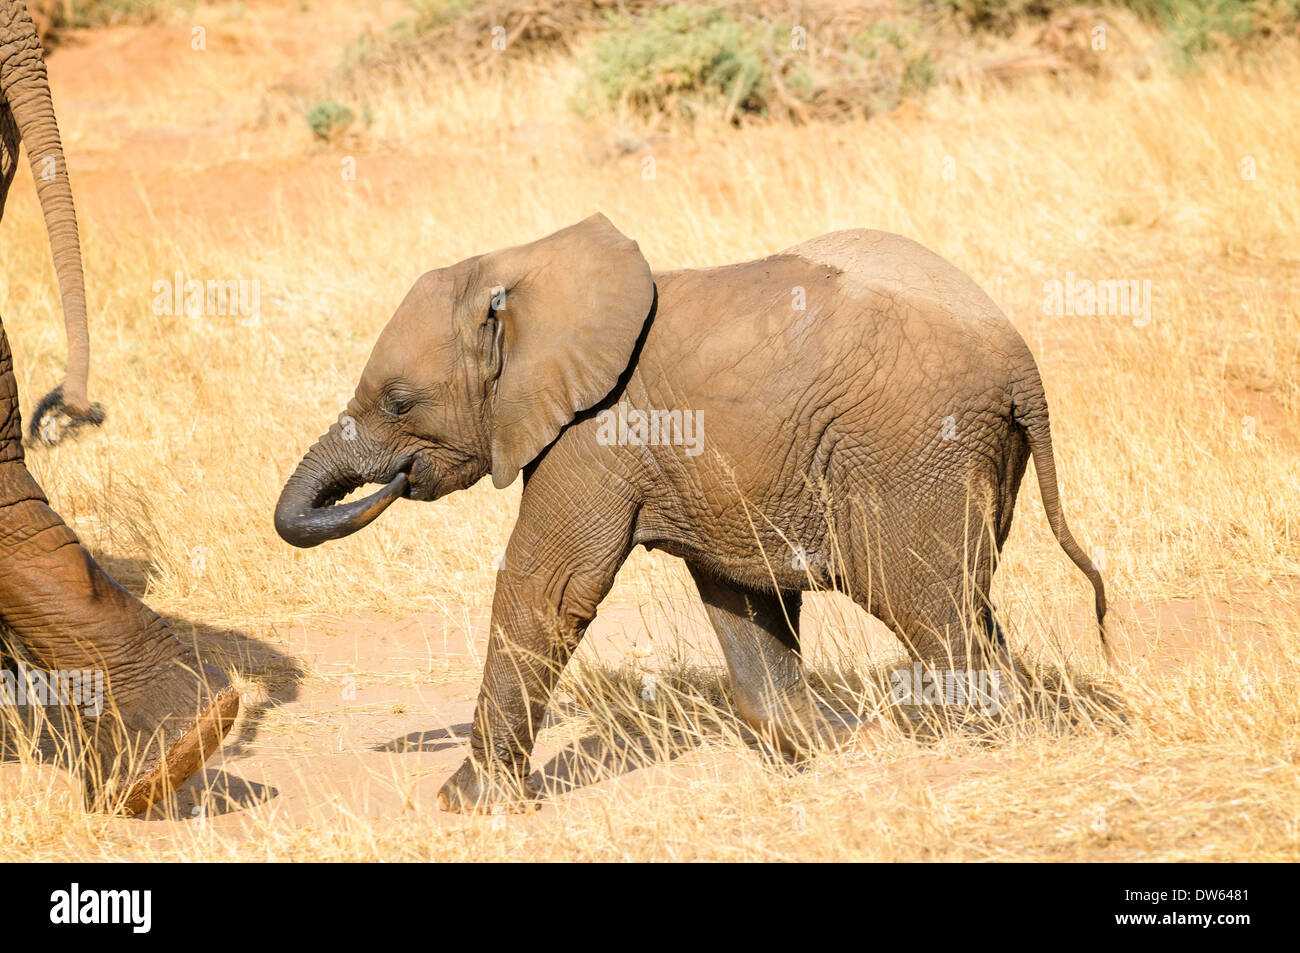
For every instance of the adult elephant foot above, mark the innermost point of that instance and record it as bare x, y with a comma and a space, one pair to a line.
474, 789
137, 754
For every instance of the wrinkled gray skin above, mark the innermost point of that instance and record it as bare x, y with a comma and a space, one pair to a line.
872, 440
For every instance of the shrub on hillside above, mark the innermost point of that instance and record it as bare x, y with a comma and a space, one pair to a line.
431, 14
681, 59
686, 59
1193, 27
1002, 15
96, 13
328, 119
803, 59
474, 32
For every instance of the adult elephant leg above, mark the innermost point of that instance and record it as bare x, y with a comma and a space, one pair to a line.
759, 636
567, 546
163, 710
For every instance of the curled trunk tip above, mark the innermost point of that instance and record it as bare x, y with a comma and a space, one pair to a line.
302, 520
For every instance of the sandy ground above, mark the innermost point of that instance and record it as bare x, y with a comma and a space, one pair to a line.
366, 715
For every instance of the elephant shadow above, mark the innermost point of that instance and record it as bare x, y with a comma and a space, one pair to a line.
47, 734
276, 677
211, 793
580, 763
596, 758
1056, 700
247, 658
437, 739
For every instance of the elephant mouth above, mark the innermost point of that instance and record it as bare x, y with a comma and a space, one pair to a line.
435, 472
423, 485
309, 511
419, 492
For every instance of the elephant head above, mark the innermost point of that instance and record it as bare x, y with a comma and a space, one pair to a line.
479, 369
27, 113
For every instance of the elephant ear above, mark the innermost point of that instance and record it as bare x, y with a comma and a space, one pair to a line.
566, 313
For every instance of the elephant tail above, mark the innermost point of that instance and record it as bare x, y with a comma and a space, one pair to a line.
27, 95
1029, 410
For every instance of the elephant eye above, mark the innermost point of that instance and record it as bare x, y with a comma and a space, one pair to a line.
399, 406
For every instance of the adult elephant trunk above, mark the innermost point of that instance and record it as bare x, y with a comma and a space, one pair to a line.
163, 711
27, 92
308, 512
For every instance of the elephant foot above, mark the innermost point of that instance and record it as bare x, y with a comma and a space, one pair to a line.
474, 791
130, 769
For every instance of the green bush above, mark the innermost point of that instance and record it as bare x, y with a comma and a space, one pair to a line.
681, 59
96, 13
1196, 27
432, 14
328, 118
919, 74
893, 54
684, 59
1191, 27
1205, 27
1002, 15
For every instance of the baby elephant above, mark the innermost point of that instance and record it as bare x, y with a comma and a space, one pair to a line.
853, 412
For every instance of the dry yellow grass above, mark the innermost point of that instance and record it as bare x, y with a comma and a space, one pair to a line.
1178, 444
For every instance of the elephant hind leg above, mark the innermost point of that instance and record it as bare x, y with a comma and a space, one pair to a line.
961, 648
759, 637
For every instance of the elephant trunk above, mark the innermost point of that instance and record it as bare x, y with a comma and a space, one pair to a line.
27, 92
308, 512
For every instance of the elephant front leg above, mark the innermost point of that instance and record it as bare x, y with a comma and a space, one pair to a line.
760, 641
151, 711
554, 575
155, 711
